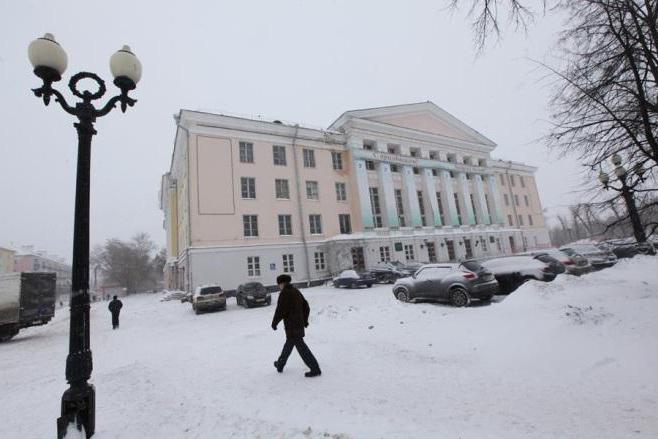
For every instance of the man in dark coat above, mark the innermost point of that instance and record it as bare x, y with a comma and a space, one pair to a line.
115, 308
293, 309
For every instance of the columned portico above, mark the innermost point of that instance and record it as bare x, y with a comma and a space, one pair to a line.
497, 216
482, 201
364, 193
466, 196
446, 182
430, 189
412, 196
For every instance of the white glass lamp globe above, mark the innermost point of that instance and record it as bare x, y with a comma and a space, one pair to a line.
46, 52
124, 63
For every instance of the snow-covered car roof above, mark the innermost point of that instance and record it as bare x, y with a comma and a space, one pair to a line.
512, 264
348, 274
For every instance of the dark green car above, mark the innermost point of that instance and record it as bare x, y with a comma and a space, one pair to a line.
252, 294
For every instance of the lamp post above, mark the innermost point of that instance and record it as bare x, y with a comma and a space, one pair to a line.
627, 193
49, 61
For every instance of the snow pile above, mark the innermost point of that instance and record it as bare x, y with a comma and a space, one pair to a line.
575, 358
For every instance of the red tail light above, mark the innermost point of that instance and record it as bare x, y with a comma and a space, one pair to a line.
469, 275
546, 269
569, 262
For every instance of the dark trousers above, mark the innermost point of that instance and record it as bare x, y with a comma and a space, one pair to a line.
115, 320
304, 352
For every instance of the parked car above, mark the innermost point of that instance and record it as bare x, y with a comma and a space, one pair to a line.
628, 249
513, 271
407, 269
252, 294
352, 279
597, 258
575, 264
386, 273
454, 283
208, 298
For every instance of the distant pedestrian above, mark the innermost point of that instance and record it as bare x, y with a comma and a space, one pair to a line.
294, 310
115, 308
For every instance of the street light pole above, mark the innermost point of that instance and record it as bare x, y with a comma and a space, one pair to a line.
50, 61
627, 194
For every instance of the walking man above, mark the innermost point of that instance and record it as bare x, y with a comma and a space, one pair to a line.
115, 308
293, 309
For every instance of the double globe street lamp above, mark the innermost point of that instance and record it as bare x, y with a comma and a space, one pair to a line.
50, 61
627, 192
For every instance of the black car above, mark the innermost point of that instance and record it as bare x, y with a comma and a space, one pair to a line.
387, 273
513, 271
252, 294
629, 250
556, 266
352, 279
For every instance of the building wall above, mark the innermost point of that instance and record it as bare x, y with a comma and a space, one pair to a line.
6, 260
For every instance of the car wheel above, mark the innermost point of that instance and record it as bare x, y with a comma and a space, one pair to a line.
459, 297
369, 285
402, 295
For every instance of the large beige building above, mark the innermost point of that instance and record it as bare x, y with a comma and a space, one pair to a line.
6, 260
245, 200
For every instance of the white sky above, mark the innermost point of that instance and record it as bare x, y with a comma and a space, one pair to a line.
291, 60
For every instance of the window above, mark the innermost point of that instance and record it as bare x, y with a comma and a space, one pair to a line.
409, 252
530, 222
506, 199
475, 211
358, 258
312, 192
431, 251
376, 208
400, 207
520, 220
253, 266
319, 261
452, 174
370, 165
282, 189
368, 146
288, 263
384, 254
315, 224
392, 150
511, 180
516, 200
394, 168
469, 248
337, 160
309, 158
246, 152
509, 220
279, 153
483, 242
440, 204
435, 172
285, 225
526, 200
433, 155
459, 210
522, 181
421, 206
414, 152
416, 170
250, 225
450, 244
345, 223
502, 179
248, 185
341, 192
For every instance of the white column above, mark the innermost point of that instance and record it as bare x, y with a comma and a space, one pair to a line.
479, 188
430, 189
412, 196
364, 193
466, 196
388, 192
495, 199
446, 182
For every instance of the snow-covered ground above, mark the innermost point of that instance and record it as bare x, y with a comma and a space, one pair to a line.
576, 358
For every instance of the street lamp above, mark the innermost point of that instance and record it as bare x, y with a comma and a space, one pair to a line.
50, 61
627, 192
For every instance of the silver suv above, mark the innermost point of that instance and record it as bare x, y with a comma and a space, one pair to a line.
454, 283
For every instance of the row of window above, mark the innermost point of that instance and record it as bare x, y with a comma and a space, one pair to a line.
512, 179
520, 220
282, 189
287, 263
250, 224
526, 200
279, 156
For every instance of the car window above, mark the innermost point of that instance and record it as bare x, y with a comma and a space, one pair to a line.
432, 273
210, 290
472, 265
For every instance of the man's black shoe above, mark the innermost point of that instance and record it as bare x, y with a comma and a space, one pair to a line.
279, 368
313, 373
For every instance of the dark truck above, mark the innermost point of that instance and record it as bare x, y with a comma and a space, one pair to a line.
26, 299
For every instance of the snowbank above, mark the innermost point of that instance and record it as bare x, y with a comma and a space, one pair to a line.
575, 358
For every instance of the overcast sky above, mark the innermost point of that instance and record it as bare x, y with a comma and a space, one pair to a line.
302, 61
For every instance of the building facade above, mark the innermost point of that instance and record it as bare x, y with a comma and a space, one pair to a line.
245, 200
26, 259
6, 260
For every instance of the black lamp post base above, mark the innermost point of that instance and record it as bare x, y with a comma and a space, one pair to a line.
78, 408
